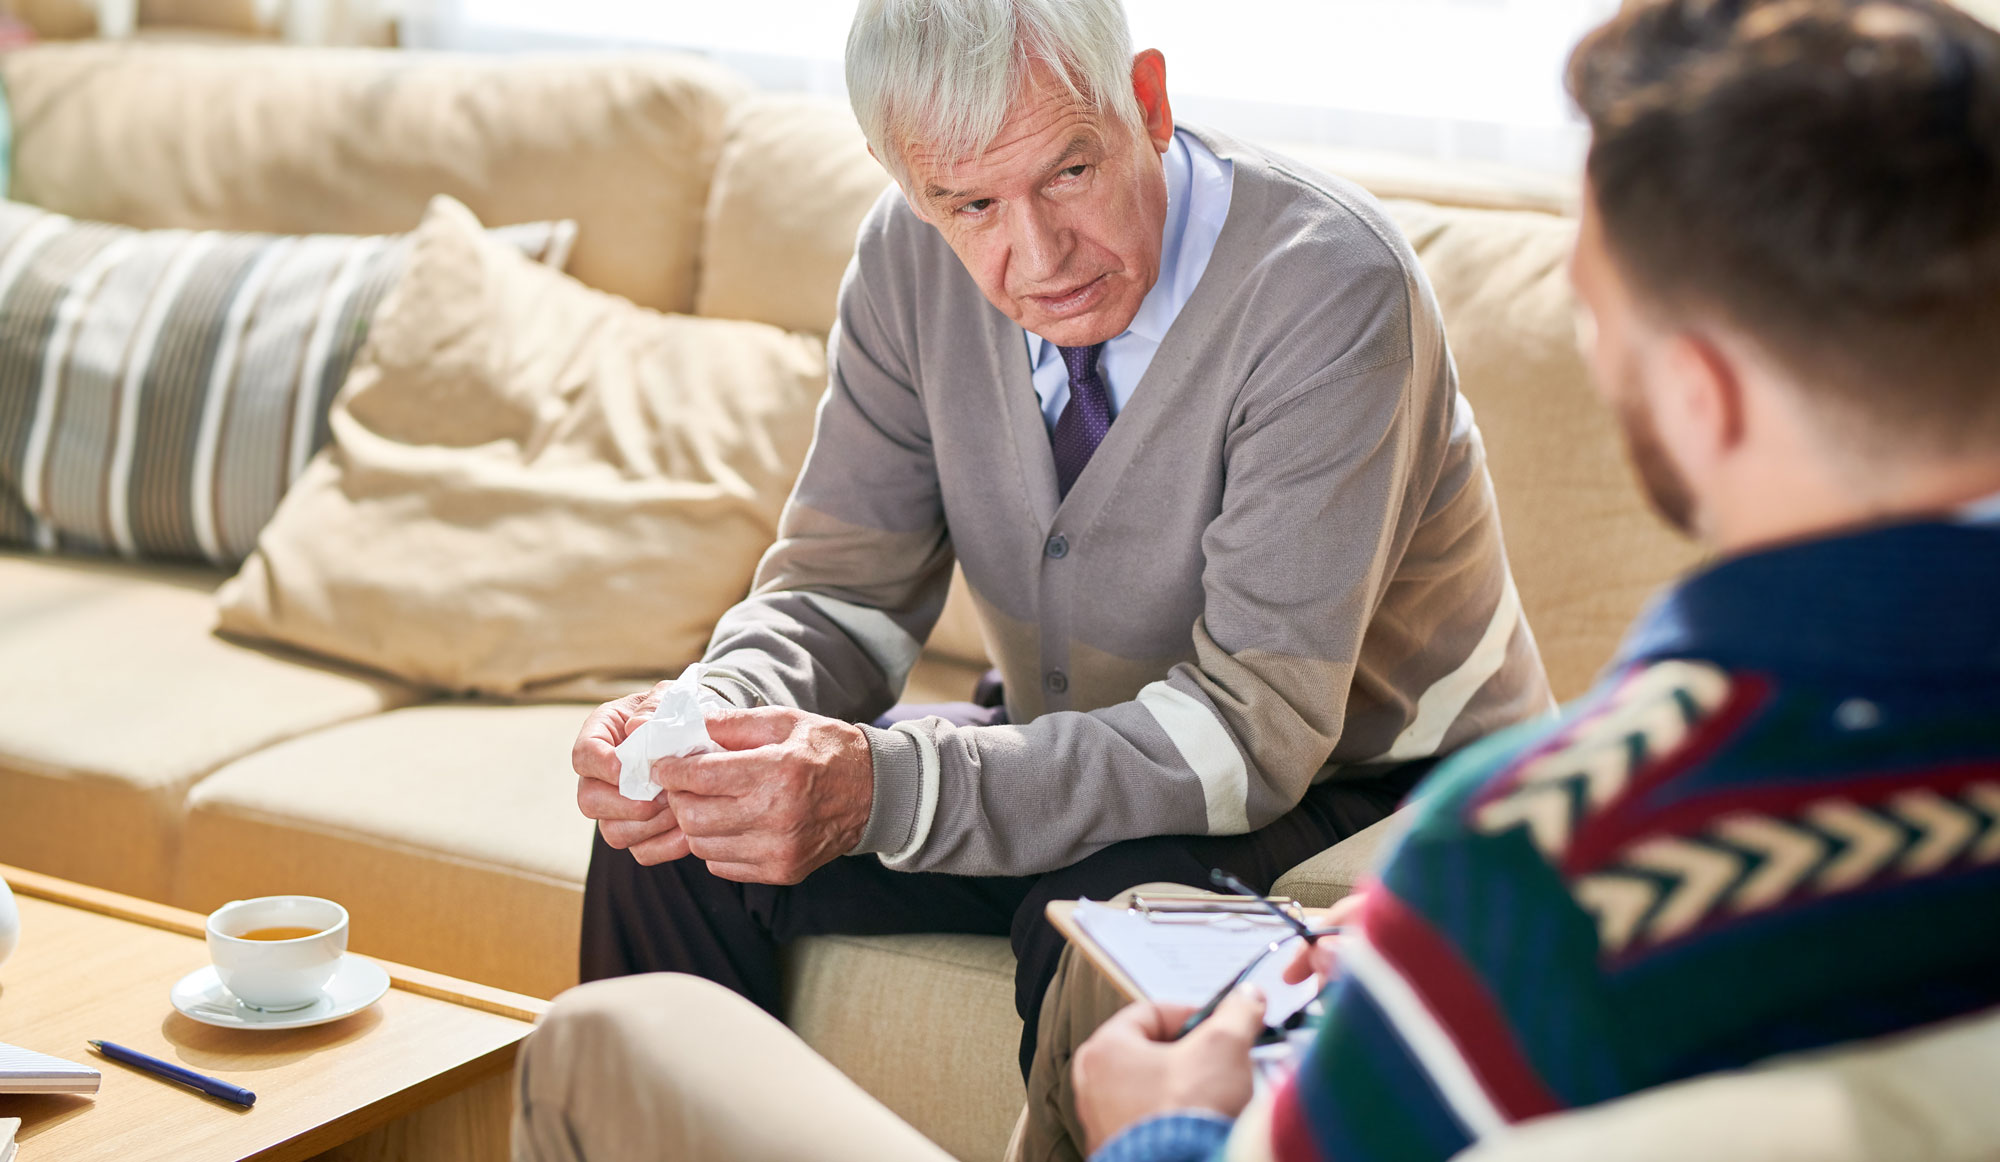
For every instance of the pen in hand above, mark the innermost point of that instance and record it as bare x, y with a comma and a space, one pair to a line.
201, 1082
1223, 879
1215, 1002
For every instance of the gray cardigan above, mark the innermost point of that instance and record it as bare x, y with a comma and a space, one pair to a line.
1283, 561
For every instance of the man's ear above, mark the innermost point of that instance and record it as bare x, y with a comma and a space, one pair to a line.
1708, 395
1149, 85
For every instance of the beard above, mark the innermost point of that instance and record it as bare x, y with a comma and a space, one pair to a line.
1666, 487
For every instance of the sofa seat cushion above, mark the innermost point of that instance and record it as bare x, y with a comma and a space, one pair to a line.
1331, 875
924, 1023
115, 698
449, 831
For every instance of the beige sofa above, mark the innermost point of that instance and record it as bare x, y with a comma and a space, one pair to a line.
142, 753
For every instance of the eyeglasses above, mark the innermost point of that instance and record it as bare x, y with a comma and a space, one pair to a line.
1300, 931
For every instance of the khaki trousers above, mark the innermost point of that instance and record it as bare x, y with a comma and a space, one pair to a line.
1079, 999
646, 1068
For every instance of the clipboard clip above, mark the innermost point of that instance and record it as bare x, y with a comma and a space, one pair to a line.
1204, 907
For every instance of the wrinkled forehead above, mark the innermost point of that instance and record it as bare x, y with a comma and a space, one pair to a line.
1045, 123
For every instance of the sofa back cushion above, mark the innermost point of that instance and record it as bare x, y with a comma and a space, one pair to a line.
305, 141
791, 187
160, 389
533, 488
1586, 550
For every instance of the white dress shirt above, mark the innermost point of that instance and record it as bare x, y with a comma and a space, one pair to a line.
1198, 187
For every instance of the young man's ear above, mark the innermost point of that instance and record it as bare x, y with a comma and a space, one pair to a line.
1149, 85
1706, 389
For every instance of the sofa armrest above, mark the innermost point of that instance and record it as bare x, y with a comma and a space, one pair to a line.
1923, 1094
1329, 876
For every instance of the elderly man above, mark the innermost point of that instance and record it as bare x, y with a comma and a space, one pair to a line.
1184, 413
1775, 825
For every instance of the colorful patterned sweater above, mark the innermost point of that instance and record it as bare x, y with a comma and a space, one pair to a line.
1774, 826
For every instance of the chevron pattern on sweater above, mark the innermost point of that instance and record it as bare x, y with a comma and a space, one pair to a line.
1646, 718
1664, 887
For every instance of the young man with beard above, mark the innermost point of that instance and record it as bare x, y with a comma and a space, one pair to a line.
1775, 826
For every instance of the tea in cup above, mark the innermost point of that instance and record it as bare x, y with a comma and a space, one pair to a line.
277, 953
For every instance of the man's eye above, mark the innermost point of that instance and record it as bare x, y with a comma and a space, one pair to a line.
1075, 171
977, 207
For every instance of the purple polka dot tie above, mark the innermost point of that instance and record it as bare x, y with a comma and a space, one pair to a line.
1084, 420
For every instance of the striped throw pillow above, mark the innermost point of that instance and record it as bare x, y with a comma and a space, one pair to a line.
160, 389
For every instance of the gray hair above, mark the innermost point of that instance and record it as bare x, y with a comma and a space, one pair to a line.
944, 72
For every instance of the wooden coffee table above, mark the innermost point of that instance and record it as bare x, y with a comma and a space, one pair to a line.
421, 1075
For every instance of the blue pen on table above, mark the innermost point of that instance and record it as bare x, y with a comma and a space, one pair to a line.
188, 1077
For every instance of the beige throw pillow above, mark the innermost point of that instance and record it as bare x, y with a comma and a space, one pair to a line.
534, 488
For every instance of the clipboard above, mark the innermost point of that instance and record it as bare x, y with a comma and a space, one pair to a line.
1182, 959
1062, 913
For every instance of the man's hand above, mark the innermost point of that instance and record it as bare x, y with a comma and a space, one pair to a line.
1129, 1071
1318, 958
788, 793
648, 830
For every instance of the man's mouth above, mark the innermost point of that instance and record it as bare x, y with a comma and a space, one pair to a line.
1073, 301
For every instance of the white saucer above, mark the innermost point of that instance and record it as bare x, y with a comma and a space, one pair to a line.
356, 984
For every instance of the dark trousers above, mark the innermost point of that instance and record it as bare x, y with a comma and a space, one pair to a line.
677, 917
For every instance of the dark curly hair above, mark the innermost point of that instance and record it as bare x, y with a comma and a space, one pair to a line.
1824, 175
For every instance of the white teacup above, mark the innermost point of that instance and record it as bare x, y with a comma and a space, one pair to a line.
277, 975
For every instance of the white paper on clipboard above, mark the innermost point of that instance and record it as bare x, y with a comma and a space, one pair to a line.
1183, 962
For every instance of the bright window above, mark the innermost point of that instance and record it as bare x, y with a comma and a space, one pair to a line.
1462, 79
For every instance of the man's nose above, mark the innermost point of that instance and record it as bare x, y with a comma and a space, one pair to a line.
1042, 243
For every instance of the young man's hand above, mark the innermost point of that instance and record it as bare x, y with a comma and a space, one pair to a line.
1318, 959
1129, 1070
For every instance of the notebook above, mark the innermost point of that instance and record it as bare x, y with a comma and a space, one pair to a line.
26, 1071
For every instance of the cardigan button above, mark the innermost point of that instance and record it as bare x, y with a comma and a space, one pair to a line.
1057, 547
1056, 682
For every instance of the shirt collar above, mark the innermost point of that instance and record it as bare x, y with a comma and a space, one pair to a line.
1160, 306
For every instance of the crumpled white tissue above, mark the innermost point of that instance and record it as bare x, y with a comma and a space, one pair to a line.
675, 730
